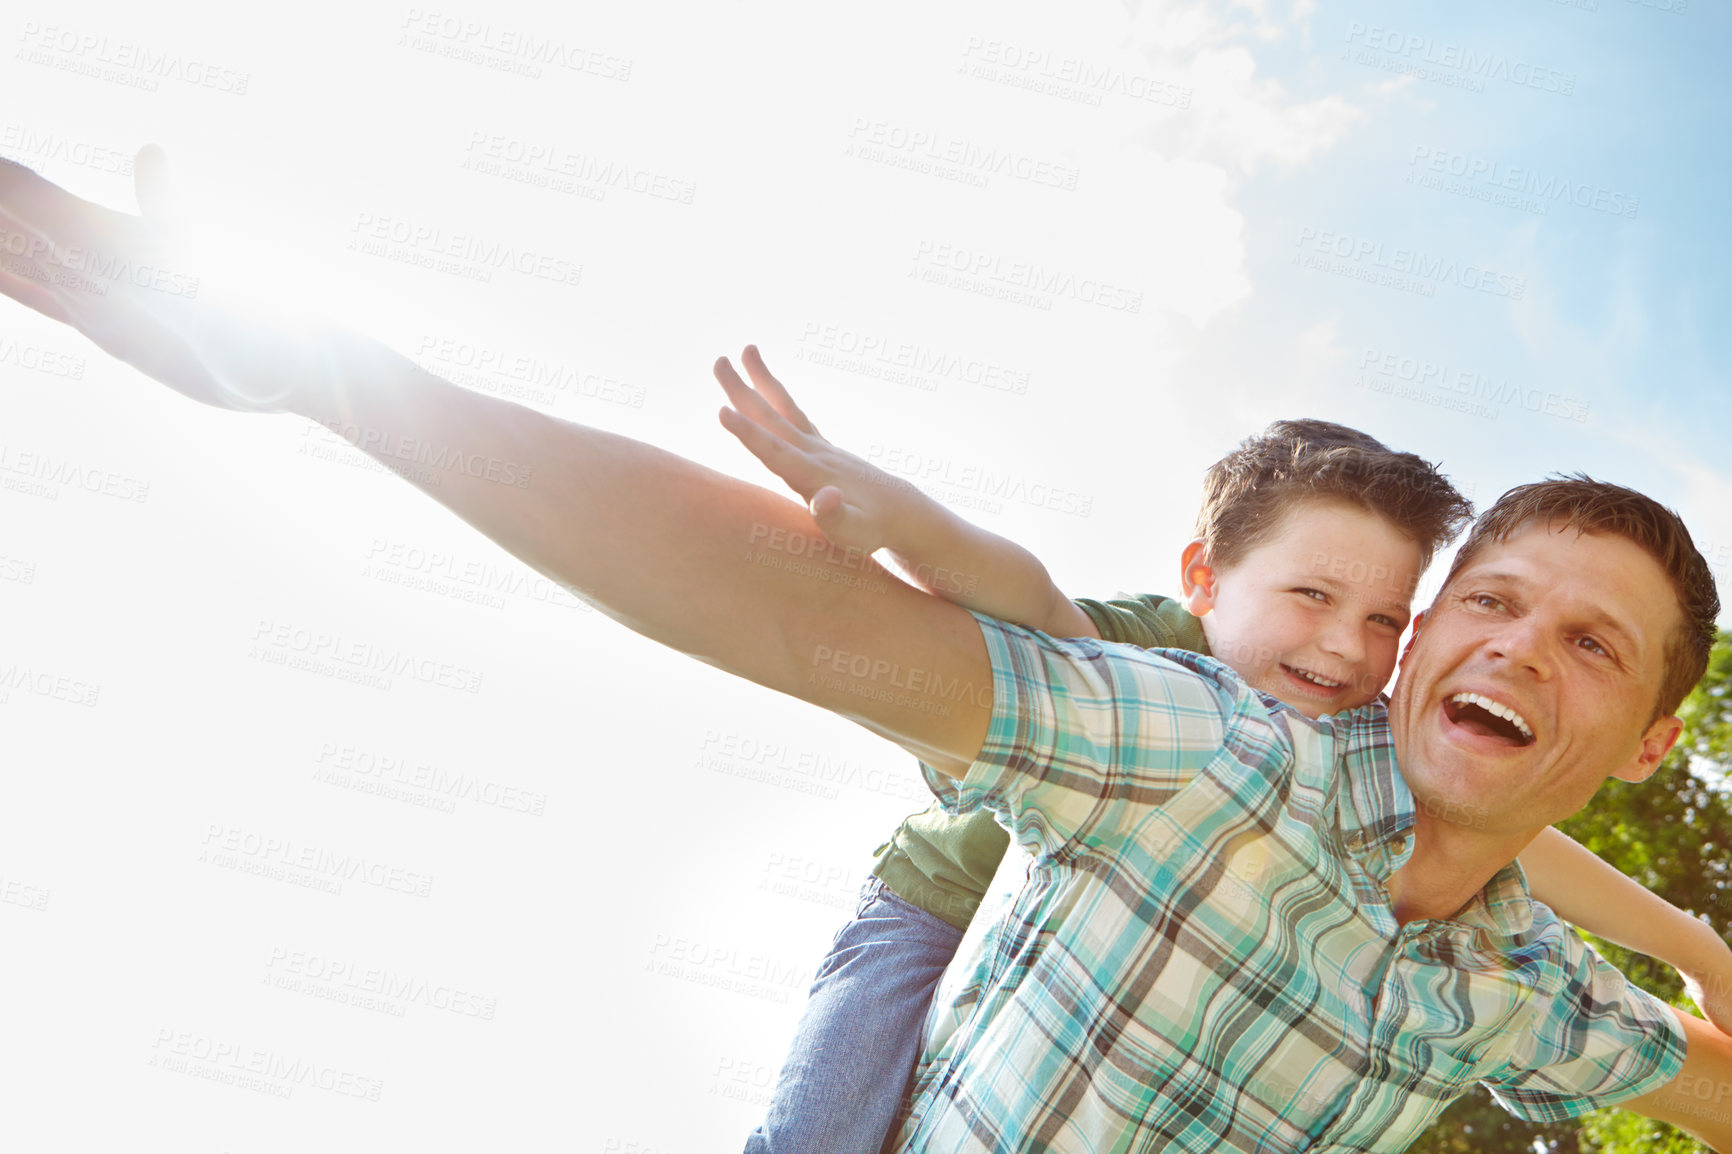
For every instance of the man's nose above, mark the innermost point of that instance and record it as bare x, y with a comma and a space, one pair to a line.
1522, 642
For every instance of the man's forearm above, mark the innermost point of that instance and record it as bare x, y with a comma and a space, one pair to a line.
1699, 1099
701, 562
675, 551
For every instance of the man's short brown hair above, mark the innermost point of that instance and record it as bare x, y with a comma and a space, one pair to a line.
1577, 501
1248, 494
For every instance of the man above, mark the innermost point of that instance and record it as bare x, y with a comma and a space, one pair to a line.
1537, 675
1244, 932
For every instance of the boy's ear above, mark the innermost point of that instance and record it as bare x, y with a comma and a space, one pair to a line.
1197, 578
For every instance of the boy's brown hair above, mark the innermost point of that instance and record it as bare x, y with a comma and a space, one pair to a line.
1248, 494
1577, 501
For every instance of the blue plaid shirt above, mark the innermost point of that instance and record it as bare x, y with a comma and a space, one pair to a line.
1204, 957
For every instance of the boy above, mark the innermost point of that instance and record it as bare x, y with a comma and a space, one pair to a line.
1310, 544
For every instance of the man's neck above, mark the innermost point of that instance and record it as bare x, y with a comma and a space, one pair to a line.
1450, 864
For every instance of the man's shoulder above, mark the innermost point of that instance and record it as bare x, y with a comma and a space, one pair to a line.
1165, 689
1528, 936
1178, 665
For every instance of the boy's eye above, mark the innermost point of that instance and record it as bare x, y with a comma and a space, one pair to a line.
1383, 619
1314, 594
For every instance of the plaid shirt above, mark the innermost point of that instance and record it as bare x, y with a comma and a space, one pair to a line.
1204, 957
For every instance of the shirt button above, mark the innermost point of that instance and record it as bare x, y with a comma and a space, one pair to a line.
1356, 841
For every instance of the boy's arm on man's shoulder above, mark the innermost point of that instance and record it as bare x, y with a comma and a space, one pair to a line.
863, 509
1586, 891
1147, 620
991, 574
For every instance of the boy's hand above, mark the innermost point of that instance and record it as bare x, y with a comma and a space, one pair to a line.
121, 281
856, 504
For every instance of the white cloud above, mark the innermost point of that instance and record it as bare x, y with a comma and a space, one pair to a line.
1237, 119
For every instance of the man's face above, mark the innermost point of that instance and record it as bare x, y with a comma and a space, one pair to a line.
1314, 614
1533, 678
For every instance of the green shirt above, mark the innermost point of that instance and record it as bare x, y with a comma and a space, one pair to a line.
943, 862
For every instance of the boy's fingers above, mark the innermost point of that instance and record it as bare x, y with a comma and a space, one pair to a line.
776, 454
839, 521
767, 384
740, 394
748, 403
827, 503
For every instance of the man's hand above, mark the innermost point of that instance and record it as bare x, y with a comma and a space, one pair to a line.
676, 552
856, 504
121, 281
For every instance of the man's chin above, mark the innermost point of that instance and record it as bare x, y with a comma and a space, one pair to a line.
1458, 809
1456, 785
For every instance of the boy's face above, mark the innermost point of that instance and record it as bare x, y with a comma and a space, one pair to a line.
1314, 614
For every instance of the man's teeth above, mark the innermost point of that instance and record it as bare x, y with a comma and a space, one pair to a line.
1307, 675
1496, 710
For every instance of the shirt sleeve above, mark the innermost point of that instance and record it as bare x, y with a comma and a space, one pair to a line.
1598, 1041
1085, 737
1133, 620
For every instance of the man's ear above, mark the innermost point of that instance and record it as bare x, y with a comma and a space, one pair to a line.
1657, 742
1197, 578
1413, 634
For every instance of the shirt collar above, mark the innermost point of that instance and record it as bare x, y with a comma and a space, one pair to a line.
1375, 816
1375, 806
1504, 909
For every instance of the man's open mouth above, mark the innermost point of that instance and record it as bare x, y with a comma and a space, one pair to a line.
1479, 714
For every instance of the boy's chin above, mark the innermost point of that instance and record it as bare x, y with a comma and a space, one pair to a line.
1310, 709
1313, 708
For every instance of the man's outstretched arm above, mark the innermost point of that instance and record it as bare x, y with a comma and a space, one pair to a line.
1699, 1099
718, 569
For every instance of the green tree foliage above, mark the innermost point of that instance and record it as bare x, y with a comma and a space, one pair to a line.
1673, 834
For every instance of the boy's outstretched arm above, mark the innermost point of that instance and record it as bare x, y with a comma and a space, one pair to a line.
1587, 892
682, 554
863, 509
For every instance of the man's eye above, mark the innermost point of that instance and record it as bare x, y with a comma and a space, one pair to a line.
1485, 601
1594, 646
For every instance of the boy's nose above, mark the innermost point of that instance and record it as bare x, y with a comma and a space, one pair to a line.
1344, 639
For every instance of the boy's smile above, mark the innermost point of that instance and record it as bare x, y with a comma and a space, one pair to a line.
1313, 614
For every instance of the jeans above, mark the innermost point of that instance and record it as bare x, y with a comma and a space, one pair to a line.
854, 1049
